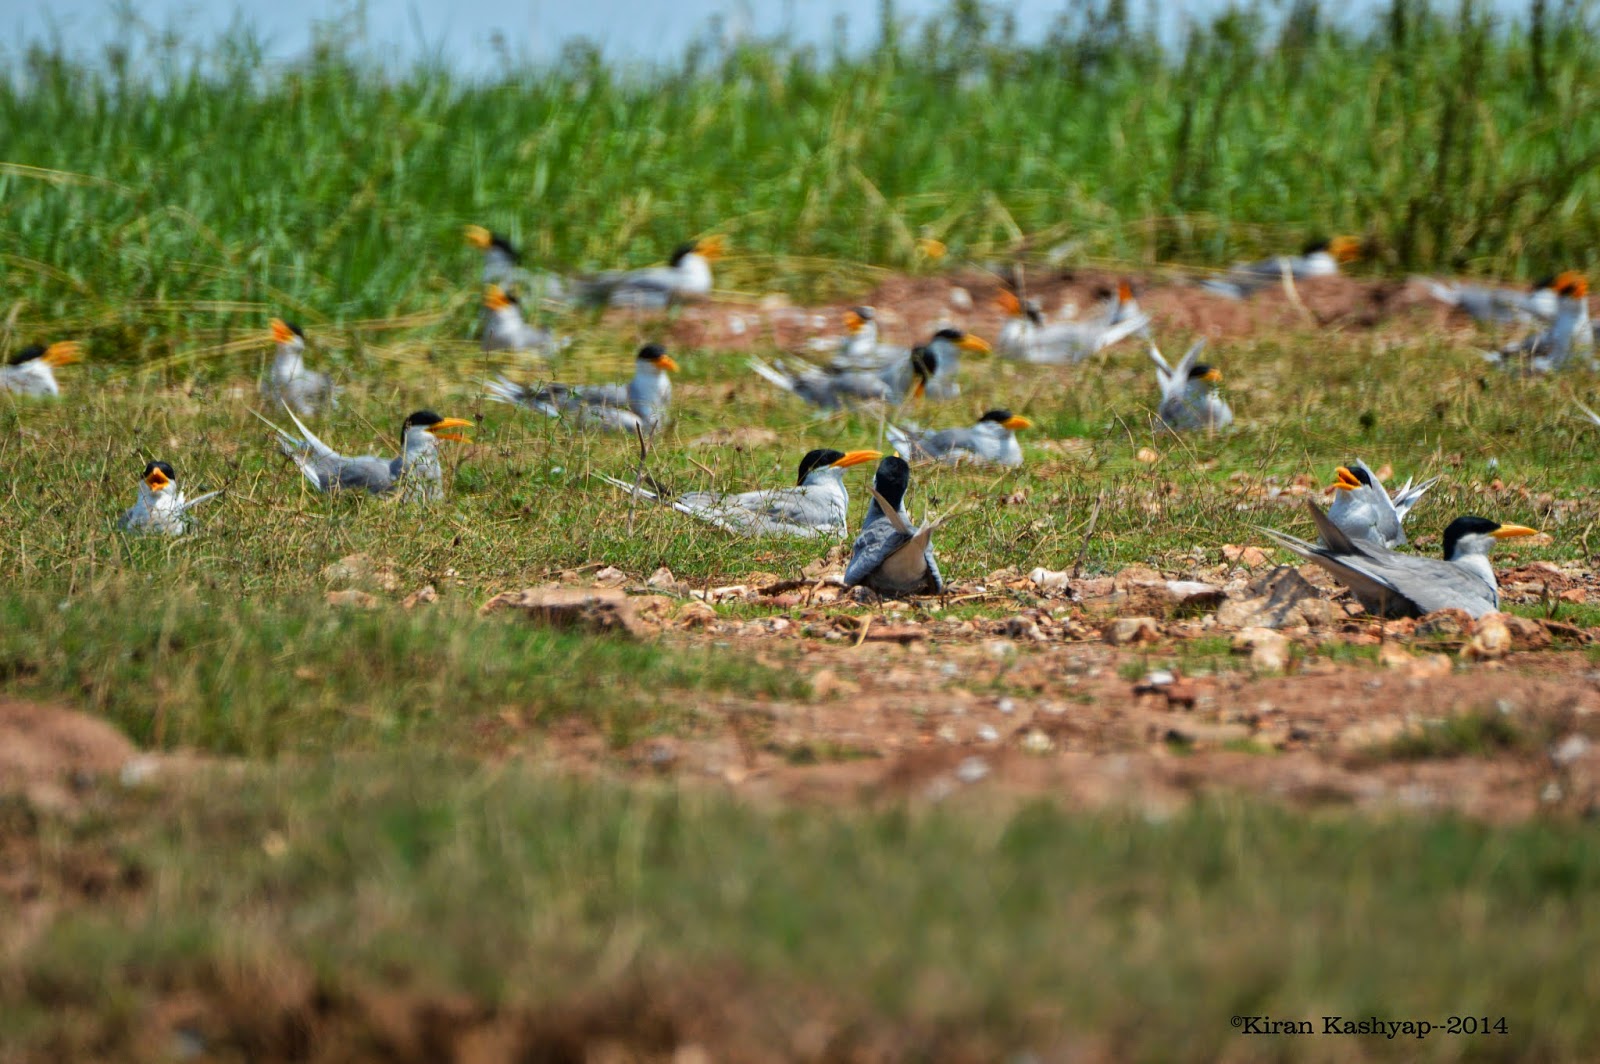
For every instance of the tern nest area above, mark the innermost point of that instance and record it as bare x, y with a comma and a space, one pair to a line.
706, 802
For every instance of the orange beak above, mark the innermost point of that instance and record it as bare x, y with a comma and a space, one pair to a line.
1344, 248
157, 480
479, 237
64, 353
494, 297
1124, 292
710, 248
1008, 302
1015, 422
666, 363
449, 423
1344, 480
975, 344
856, 458
853, 322
281, 333
1572, 284
1513, 531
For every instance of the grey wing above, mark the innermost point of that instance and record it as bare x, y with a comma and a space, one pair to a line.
368, 473
1371, 589
872, 548
1434, 584
601, 394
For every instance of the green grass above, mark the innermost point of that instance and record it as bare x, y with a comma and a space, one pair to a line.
1022, 931
162, 208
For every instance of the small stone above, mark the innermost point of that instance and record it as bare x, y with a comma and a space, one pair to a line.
1569, 749
1006, 705
1125, 631
1148, 455
588, 609
695, 615
1395, 656
1574, 594
960, 298
988, 733
1037, 742
1430, 667
423, 596
1050, 579
972, 770
1269, 651
351, 599
1491, 641
1444, 624
663, 580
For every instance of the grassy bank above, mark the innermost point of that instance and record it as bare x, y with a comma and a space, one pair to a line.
265, 911
163, 207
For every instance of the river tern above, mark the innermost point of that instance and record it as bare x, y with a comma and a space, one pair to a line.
817, 506
305, 391
993, 441
1499, 306
1321, 258
501, 260
640, 405
860, 348
161, 505
1570, 337
415, 474
504, 327
32, 371
1390, 584
829, 389
1363, 510
1189, 399
687, 276
892, 556
1028, 337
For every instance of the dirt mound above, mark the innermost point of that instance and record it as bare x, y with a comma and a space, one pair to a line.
47, 751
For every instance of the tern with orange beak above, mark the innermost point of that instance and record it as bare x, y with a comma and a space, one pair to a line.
992, 441
289, 382
415, 474
1390, 584
502, 265
1028, 337
860, 348
830, 389
1321, 258
161, 505
641, 404
1569, 340
1189, 399
687, 276
817, 506
1363, 510
32, 371
505, 328
892, 556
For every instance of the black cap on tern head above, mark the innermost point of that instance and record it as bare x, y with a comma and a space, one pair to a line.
505, 246
1466, 526
28, 354
892, 480
924, 363
1002, 416
1200, 371
955, 336
166, 470
1034, 312
1360, 472
1314, 246
821, 458
652, 352
683, 251
423, 418
1547, 281
864, 313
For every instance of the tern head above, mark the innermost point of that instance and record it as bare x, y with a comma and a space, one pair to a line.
497, 298
892, 480
434, 425
287, 332
1007, 301
1572, 285
1124, 291
1352, 477
158, 476
924, 364
483, 240
823, 458
857, 318
655, 355
1202, 372
710, 248
1477, 535
1006, 420
1342, 248
1547, 283
61, 353
964, 340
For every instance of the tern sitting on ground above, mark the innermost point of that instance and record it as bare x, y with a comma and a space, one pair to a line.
1189, 398
1499, 306
831, 389
32, 371
687, 276
415, 473
818, 504
640, 405
500, 259
892, 556
992, 440
504, 327
1389, 584
161, 506
1569, 338
1029, 338
305, 391
1321, 258
860, 347
1364, 510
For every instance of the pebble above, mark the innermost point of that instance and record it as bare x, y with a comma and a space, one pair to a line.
972, 770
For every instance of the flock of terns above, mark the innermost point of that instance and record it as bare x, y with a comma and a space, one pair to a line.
1360, 535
